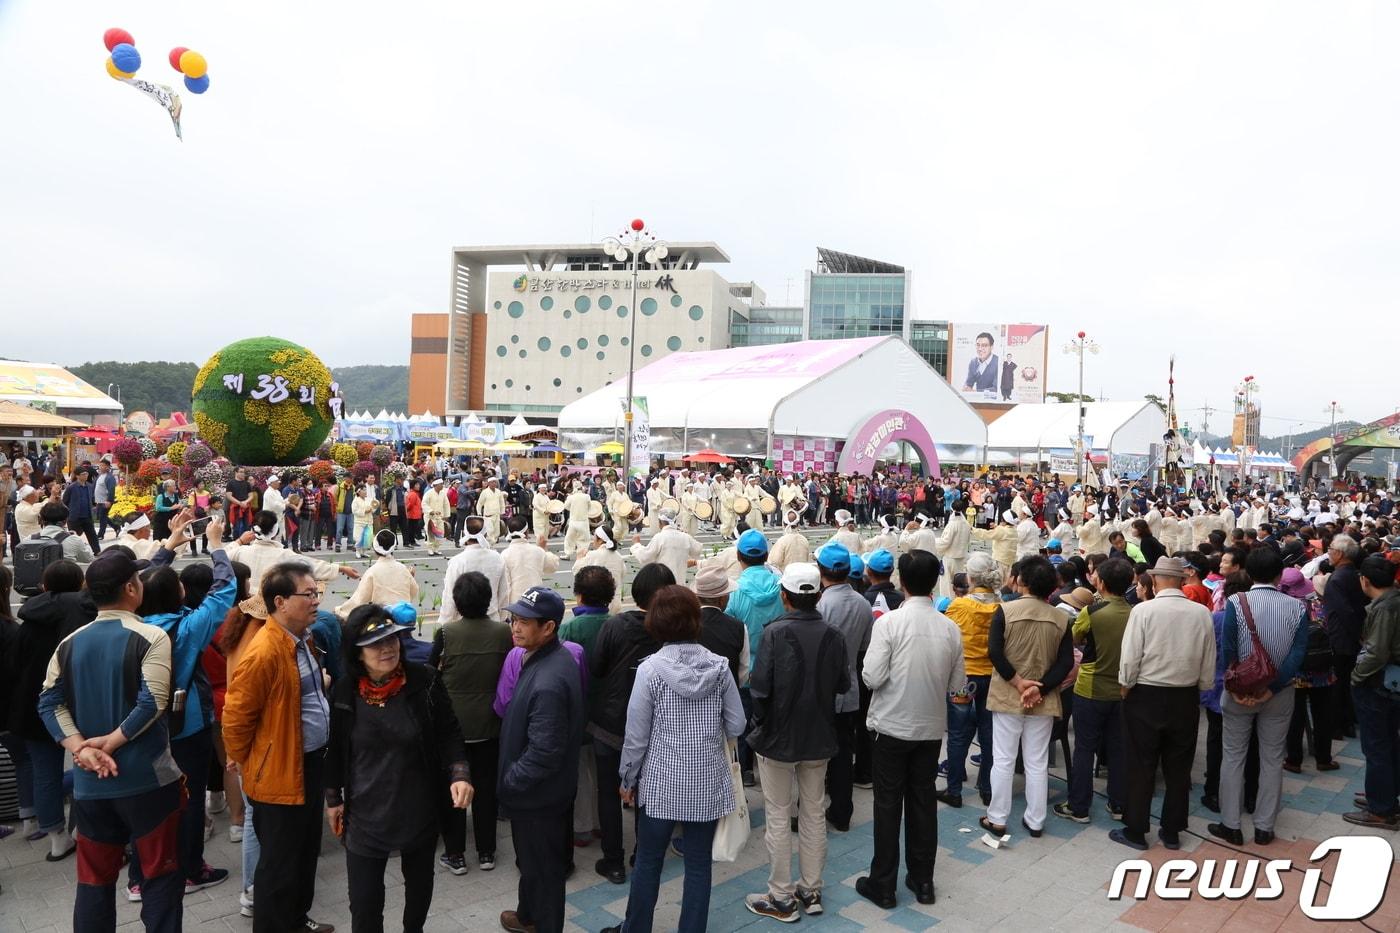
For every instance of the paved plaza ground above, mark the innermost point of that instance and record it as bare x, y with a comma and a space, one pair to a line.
1057, 882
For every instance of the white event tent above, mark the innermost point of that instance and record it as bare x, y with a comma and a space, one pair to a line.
1126, 434
800, 404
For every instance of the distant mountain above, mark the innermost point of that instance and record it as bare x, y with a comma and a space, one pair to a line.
161, 387
1285, 442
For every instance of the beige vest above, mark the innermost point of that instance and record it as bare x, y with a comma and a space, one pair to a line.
1034, 630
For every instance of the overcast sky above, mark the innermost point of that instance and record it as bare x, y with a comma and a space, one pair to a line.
1214, 180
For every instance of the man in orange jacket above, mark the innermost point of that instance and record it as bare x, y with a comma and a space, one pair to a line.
276, 726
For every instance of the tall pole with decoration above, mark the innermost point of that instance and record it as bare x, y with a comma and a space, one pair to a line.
1334, 410
631, 246
1248, 413
1078, 346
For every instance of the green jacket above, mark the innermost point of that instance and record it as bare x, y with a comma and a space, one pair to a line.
1380, 637
469, 655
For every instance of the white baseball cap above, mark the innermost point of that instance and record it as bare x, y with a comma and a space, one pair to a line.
802, 578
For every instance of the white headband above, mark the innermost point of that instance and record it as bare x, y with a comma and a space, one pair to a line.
386, 551
602, 535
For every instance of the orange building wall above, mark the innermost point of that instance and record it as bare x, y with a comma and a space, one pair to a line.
427, 364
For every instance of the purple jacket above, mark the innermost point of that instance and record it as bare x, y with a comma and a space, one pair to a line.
510, 675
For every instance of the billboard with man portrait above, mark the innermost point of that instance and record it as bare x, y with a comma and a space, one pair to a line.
998, 364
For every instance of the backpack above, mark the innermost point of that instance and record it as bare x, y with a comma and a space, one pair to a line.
32, 557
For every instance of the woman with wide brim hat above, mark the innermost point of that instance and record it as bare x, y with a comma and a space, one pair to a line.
394, 750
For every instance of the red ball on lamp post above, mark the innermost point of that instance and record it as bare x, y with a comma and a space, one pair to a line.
638, 225
1081, 335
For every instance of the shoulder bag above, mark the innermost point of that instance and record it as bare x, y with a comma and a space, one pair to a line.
1252, 675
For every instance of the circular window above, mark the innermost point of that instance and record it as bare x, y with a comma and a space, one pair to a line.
578, 389
624, 341
605, 302
568, 314
493, 385
510, 383
701, 339
600, 354
527, 388
603, 340
621, 310
546, 302
675, 301
673, 343
565, 349
522, 354
648, 306
583, 343
696, 312
558, 383
501, 350
582, 304
498, 307
514, 338
646, 349
515, 309
543, 343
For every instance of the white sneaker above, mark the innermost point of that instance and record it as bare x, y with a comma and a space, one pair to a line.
235, 833
245, 903
216, 802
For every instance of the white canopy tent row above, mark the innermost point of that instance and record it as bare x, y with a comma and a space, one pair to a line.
799, 404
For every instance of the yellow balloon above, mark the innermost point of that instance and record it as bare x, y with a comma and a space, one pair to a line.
116, 72
193, 64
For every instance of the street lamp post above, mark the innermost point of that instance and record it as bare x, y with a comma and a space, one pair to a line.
1078, 346
631, 246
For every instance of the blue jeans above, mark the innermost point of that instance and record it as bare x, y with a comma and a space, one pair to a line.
251, 847
1377, 720
964, 721
46, 760
344, 528
1095, 719
653, 835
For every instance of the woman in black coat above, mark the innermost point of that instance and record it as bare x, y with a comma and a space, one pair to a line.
1151, 548
394, 749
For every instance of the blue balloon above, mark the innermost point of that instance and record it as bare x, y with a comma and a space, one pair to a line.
126, 58
197, 85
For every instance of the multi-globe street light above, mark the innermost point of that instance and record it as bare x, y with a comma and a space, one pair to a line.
1079, 346
631, 247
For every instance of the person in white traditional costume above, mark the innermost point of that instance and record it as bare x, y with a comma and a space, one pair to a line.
671, 546
792, 547
604, 554
846, 534
387, 581
490, 505
527, 562
577, 532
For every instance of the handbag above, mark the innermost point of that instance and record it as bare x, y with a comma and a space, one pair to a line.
732, 829
1252, 675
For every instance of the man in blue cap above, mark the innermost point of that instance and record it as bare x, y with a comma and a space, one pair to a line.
846, 611
881, 593
538, 773
756, 601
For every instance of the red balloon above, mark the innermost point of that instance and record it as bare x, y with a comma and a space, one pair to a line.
638, 225
175, 54
115, 37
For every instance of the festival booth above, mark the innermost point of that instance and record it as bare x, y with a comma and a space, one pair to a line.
829, 405
1269, 465
40, 385
1124, 437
